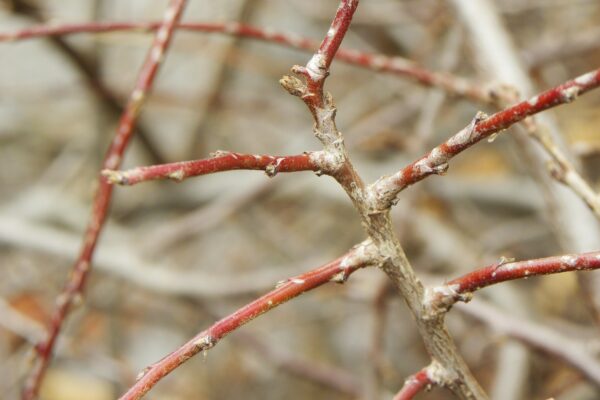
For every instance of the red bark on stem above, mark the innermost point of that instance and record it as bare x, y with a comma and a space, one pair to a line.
222, 161
441, 298
75, 285
413, 385
436, 161
336, 271
377, 62
317, 68
501, 272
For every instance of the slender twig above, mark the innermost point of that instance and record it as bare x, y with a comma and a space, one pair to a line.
413, 385
436, 161
440, 298
337, 271
76, 282
222, 161
392, 65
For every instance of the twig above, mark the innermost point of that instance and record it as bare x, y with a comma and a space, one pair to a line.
392, 65
436, 161
413, 385
74, 288
222, 161
337, 271
460, 289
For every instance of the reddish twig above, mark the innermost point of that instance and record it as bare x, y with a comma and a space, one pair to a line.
442, 297
221, 161
436, 161
336, 271
317, 68
392, 65
413, 385
75, 286
506, 271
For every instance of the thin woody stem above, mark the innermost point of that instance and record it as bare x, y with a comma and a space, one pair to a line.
73, 290
336, 271
442, 297
222, 161
436, 161
413, 385
317, 68
392, 65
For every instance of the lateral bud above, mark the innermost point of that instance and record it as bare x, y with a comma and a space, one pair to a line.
219, 153
293, 85
271, 170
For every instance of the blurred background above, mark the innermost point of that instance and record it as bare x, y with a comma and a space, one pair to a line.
176, 257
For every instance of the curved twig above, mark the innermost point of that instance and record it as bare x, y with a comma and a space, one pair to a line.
482, 126
413, 385
221, 161
337, 271
392, 65
74, 288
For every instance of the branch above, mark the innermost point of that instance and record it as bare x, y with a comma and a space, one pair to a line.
75, 286
336, 271
393, 65
413, 385
317, 69
222, 161
377, 222
436, 161
441, 298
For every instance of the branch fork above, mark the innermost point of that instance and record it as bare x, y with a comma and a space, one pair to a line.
438, 300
